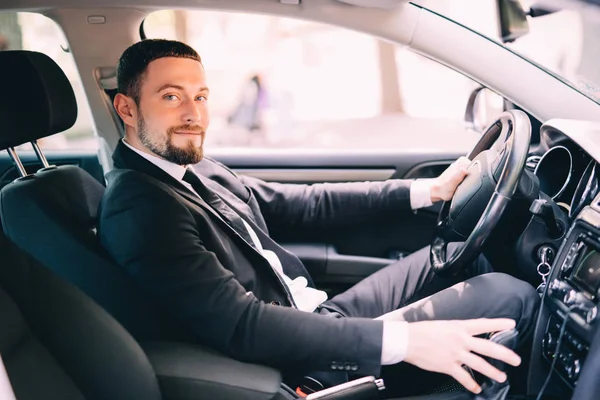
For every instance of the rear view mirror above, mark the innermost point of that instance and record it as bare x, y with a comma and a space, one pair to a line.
513, 20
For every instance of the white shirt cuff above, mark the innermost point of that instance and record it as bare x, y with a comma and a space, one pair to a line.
420, 193
395, 342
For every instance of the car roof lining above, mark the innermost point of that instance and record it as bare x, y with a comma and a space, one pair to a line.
45, 5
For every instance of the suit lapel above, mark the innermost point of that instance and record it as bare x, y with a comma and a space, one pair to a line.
124, 157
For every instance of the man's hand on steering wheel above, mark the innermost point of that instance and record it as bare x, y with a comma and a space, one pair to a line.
444, 186
476, 205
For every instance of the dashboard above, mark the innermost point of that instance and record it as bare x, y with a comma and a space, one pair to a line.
567, 164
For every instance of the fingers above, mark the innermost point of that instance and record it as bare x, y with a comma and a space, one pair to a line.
465, 379
459, 171
494, 350
464, 160
486, 325
463, 164
478, 364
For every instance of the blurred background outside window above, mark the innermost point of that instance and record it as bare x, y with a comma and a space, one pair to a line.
284, 83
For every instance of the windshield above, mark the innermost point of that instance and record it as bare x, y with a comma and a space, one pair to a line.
565, 43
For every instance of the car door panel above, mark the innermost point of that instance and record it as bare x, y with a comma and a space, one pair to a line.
326, 263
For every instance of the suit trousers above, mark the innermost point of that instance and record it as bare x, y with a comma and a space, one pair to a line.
409, 290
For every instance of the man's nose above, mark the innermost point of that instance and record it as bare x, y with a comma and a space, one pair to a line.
192, 113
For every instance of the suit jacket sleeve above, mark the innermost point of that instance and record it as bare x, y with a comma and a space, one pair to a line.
155, 237
330, 204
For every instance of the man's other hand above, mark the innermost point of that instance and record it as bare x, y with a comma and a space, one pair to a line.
444, 186
445, 346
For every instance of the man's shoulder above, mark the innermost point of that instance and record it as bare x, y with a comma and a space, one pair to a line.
123, 183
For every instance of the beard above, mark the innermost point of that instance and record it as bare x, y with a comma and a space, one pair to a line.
163, 145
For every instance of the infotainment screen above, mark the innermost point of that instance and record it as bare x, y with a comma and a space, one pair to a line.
586, 274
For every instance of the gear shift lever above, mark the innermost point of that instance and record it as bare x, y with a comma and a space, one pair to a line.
490, 389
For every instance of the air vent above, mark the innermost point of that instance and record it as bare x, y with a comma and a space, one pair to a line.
532, 162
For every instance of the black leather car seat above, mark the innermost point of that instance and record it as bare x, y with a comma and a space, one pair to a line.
59, 345
52, 214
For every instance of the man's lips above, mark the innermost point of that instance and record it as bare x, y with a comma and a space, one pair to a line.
188, 133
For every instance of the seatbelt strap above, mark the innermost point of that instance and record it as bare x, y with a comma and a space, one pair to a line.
6, 392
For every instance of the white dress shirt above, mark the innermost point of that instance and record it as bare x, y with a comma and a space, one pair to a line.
395, 333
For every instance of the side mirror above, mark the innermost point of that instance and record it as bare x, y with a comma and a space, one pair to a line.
513, 20
483, 107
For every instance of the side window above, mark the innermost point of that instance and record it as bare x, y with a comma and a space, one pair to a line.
35, 32
282, 83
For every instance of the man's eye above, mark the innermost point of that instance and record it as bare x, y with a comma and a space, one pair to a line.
202, 98
170, 97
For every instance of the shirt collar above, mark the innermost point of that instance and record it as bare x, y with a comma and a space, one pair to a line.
175, 170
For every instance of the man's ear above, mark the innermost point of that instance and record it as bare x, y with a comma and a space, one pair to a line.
126, 108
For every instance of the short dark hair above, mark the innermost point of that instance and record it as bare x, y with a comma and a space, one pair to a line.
135, 59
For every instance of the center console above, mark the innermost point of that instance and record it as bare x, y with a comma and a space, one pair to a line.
573, 291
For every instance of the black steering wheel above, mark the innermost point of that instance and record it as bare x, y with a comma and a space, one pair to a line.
481, 199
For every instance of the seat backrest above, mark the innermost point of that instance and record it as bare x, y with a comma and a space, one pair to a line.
52, 216
58, 345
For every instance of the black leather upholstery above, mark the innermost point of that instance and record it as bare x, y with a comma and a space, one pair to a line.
184, 371
32, 78
51, 215
58, 345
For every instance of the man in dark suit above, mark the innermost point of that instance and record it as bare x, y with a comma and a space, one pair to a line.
195, 235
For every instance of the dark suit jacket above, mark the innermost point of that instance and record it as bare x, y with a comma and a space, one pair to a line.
210, 275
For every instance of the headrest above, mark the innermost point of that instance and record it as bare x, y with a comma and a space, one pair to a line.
36, 98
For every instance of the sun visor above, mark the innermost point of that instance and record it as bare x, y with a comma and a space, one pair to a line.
375, 3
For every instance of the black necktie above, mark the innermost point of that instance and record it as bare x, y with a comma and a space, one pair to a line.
193, 179
217, 204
